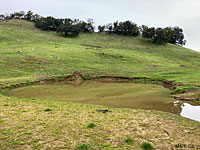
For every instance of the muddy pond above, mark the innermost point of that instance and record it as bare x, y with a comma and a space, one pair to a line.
111, 94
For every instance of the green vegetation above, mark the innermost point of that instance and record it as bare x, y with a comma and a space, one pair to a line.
129, 140
47, 110
183, 89
68, 30
166, 35
99, 54
73, 27
83, 147
147, 146
29, 54
197, 102
91, 125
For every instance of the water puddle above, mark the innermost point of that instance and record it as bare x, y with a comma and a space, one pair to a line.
111, 94
189, 111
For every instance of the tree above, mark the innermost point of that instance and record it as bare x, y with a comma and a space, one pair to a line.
109, 28
17, 15
29, 16
68, 30
86, 26
101, 28
130, 28
116, 27
169, 33
124, 28
178, 36
68, 21
172, 35
41, 24
36, 17
83, 26
160, 36
48, 23
2, 18
147, 32
7, 17
90, 27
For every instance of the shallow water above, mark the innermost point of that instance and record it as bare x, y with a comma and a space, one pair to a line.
111, 94
190, 111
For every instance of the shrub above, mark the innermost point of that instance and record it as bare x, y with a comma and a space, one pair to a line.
83, 147
129, 140
47, 110
91, 125
68, 30
147, 146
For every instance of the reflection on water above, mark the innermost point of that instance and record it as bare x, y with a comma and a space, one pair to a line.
184, 109
177, 107
190, 111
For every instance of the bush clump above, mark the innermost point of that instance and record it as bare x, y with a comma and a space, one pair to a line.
91, 125
83, 147
129, 140
147, 146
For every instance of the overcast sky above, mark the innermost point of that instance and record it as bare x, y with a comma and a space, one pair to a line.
182, 13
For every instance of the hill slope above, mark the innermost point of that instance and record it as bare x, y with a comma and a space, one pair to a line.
46, 53
28, 53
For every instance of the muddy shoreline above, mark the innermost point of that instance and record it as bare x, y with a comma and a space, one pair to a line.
78, 77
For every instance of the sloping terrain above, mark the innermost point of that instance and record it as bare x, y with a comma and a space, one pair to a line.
27, 53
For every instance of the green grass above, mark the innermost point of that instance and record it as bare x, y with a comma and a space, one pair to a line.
46, 53
183, 89
24, 123
197, 102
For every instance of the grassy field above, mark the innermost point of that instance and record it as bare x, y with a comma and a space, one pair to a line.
28, 54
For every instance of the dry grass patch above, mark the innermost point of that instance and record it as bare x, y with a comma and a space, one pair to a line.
25, 125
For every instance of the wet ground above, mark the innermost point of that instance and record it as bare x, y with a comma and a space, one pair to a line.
111, 94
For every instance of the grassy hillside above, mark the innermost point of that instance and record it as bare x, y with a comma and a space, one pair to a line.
28, 53
46, 53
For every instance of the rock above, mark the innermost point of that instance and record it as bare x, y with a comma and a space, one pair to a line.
182, 66
19, 51
18, 40
103, 111
155, 66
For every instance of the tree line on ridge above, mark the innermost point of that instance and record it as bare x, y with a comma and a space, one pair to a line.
73, 27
